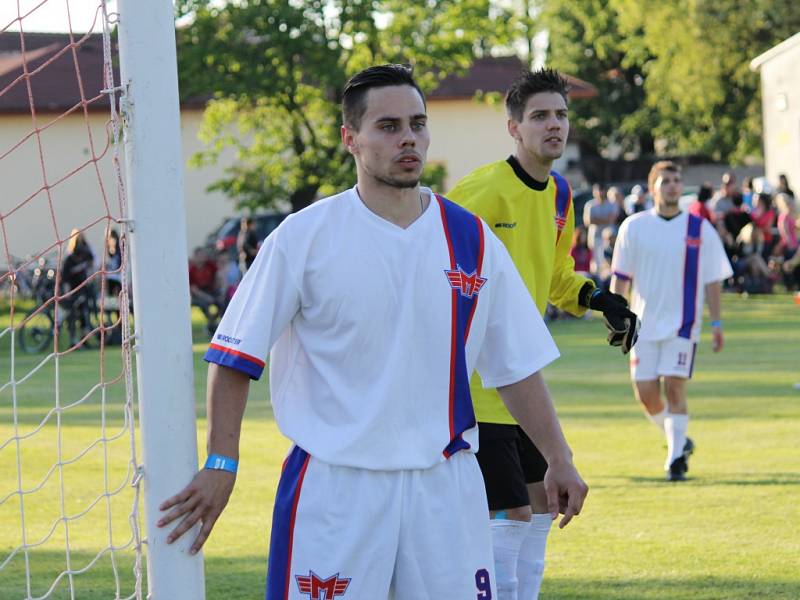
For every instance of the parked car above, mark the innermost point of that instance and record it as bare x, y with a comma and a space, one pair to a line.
223, 238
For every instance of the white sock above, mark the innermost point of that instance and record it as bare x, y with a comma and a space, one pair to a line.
507, 537
675, 427
658, 419
530, 569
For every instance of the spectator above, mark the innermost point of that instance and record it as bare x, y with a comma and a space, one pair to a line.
750, 269
736, 218
247, 244
203, 287
78, 296
637, 201
723, 200
764, 218
229, 277
581, 253
113, 268
598, 215
616, 198
791, 277
787, 226
747, 192
699, 207
783, 186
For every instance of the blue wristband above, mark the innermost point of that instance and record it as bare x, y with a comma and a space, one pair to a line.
221, 463
716, 323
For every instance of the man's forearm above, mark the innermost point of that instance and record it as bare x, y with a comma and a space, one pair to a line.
530, 404
225, 402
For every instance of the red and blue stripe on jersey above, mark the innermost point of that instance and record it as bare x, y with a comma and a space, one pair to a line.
563, 202
691, 273
464, 234
228, 357
283, 521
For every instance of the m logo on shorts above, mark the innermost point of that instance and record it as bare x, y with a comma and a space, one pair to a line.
467, 285
322, 589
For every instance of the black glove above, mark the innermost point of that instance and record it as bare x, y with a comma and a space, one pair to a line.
623, 324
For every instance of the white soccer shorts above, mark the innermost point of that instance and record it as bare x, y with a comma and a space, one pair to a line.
359, 534
666, 358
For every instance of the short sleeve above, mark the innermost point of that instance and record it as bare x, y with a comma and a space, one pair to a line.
716, 266
622, 261
517, 343
264, 304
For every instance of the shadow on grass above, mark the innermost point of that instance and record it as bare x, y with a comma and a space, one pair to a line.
755, 479
693, 588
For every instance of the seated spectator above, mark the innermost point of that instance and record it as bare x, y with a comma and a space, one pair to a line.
747, 192
791, 270
733, 221
700, 206
783, 186
203, 287
787, 226
750, 269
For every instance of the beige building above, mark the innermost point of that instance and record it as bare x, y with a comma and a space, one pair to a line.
56, 163
780, 96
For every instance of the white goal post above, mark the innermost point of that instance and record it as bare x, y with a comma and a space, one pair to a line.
164, 364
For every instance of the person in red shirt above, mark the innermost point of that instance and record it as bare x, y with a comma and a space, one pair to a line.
203, 286
699, 207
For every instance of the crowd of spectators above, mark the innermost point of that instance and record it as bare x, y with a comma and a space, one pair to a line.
215, 274
757, 224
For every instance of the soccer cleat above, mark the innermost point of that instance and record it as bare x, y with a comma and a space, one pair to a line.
688, 450
677, 470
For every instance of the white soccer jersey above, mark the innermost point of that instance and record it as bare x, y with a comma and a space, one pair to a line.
366, 321
670, 262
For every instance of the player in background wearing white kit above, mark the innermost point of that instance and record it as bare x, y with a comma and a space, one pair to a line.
375, 305
672, 259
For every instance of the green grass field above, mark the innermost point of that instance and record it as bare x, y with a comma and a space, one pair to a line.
731, 532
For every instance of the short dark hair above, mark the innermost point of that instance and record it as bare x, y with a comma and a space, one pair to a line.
705, 193
530, 83
658, 168
354, 103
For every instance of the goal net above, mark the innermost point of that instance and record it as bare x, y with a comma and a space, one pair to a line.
71, 477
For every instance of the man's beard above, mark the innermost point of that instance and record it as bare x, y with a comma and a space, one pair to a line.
398, 183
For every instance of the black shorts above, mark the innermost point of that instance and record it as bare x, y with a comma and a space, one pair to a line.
508, 461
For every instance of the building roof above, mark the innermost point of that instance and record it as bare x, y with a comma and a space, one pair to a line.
495, 74
54, 83
787, 44
53, 69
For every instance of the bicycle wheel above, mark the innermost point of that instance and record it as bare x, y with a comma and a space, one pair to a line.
37, 332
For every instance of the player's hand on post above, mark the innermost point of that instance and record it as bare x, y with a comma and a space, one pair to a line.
622, 323
565, 490
202, 500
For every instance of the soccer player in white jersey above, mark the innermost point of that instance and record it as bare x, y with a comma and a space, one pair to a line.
375, 305
672, 259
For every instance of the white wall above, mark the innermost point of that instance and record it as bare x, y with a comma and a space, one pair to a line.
34, 219
780, 89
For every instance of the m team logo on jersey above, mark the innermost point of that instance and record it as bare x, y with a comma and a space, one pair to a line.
561, 221
692, 242
322, 589
468, 285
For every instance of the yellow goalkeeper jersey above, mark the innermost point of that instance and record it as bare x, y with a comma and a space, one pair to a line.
535, 221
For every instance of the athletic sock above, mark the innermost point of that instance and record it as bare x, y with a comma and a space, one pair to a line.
507, 538
658, 418
530, 567
675, 427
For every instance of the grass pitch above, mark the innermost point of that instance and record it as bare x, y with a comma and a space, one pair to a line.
730, 532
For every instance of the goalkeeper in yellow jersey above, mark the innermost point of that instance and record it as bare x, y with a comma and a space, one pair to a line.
529, 207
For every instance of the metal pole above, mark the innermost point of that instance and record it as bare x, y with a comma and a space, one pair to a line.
164, 365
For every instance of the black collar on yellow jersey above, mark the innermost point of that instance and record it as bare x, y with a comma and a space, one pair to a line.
524, 177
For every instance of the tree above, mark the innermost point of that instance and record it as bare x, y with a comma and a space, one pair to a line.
585, 40
275, 69
698, 78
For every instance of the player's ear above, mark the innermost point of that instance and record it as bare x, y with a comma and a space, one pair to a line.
513, 129
348, 139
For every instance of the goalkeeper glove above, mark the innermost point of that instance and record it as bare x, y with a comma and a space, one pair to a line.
623, 324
